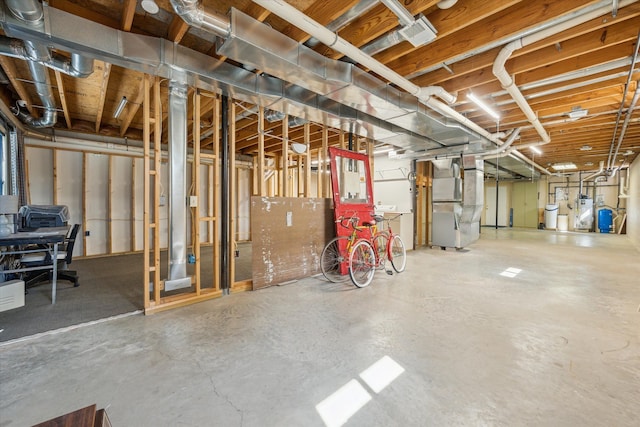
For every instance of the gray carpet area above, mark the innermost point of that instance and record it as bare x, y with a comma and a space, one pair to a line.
109, 286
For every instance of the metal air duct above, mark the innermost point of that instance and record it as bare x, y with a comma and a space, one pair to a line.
177, 187
38, 55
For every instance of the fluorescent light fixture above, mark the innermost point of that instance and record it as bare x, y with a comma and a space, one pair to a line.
586, 148
382, 150
535, 150
564, 166
577, 112
123, 102
484, 106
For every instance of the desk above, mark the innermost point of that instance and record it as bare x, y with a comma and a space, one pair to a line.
50, 237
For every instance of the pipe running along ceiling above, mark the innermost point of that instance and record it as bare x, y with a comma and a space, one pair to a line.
328, 79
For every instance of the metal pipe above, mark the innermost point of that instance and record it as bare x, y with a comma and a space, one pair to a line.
332, 40
595, 174
501, 42
225, 216
383, 43
624, 96
177, 180
26, 10
192, 12
518, 155
404, 17
345, 19
627, 119
507, 82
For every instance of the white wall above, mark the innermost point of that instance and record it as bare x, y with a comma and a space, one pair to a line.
114, 219
390, 183
633, 203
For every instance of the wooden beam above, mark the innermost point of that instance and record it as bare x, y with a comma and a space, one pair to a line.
177, 29
11, 72
63, 98
83, 12
510, 21
133, 109
195, 173
104, 83
128, 12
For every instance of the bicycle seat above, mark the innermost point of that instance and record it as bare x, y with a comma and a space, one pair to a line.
378, 218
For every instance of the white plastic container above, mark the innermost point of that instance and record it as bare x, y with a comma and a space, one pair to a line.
563, 222
551, 217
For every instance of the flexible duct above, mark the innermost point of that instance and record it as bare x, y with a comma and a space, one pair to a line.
78, 66
37, 56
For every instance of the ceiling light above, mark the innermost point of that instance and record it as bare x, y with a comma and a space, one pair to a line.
564, 166
586, 148
577, 112
589, 164
150, 6
535, 150
123, 102
484, 106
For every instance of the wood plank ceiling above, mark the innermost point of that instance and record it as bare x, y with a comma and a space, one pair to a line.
595, 57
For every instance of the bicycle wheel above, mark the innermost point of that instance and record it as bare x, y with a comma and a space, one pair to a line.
332, 258
398, 254
380, 241
362, 263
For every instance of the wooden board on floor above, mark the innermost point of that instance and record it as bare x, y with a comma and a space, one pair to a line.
289, 234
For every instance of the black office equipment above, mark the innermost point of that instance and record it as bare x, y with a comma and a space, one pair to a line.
31, 217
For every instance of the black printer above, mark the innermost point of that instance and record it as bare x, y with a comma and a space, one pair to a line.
31, 217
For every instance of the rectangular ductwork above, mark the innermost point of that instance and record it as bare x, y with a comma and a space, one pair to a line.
457, 201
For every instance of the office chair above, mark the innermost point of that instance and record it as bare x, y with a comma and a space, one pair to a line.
65, 257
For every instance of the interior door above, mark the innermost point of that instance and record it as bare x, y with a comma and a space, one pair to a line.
525, 204
490, 205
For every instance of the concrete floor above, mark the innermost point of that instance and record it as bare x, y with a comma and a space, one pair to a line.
457, 342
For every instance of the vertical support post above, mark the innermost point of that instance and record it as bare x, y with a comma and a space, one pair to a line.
325, 164
55, 175
224, 214
195, 169
232, 193
146, 117
216, 194
284, 185
261, 172
307, 160
84, 203
110, 205
157, 156
132, 223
